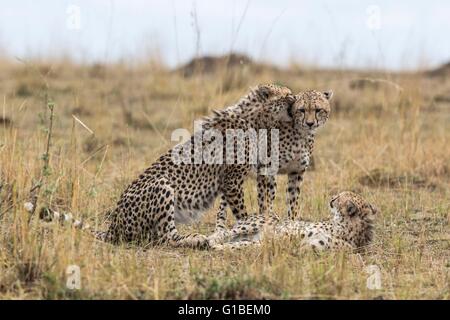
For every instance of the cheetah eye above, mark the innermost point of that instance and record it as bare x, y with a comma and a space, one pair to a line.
302, 110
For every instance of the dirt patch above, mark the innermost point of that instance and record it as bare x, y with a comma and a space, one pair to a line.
28, 272
97, 70
441, 71
442, 98
5, 121
430, 224
379, 178
81, 111
23, 90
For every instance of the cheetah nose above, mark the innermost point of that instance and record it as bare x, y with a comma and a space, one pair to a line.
310, 124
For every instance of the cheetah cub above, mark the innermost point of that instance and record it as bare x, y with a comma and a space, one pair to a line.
309, 113
184, 182
350, 227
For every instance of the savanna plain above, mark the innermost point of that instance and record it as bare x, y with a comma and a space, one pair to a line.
72, 136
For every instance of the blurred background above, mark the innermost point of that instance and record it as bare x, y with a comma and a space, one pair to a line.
359, 34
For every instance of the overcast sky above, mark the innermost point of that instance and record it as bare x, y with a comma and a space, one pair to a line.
355, 33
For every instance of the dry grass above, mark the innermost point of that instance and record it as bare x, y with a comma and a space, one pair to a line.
387, 142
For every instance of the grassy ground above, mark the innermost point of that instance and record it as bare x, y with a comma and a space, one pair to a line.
388, 140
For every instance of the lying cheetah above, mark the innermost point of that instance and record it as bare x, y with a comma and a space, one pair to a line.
351, 227
296, 142
172, 191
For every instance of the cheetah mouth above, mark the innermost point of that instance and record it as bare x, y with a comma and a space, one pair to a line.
307, 127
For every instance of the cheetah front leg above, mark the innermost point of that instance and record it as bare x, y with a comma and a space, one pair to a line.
233, 194
221, 215
266, 189
165, 220
293, 190
233, 197
220, 232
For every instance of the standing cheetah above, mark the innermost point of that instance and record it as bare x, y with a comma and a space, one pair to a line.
351, 227
170, 191
310, 111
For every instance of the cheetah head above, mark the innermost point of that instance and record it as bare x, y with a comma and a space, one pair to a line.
311, 109
348, 205
277, 101
268, 92
356, 213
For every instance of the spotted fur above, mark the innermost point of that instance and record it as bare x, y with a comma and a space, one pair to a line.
310, 111
351, 227
169, 192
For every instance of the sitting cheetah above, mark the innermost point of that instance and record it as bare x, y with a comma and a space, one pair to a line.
170, 191
296, 142
351, 227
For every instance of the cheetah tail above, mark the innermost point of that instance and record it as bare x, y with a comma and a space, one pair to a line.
66, 219
49, 215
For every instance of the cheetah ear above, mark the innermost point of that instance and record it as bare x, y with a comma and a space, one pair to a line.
374, 209
264, 91
352, 209
333, 198
287, 113
328, 94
